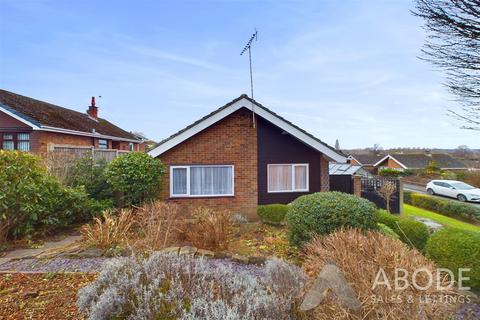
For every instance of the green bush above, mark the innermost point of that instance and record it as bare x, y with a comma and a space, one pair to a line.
272, 213
324, 212
450, 208
90, 174
137, 175
407, 197
32, 201
386, 230
411, 232
453, 249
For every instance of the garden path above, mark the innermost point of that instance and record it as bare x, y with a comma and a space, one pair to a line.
51, 246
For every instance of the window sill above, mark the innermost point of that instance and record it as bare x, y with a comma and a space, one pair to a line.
202, 197
294, 191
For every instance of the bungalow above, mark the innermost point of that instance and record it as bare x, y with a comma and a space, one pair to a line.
237, 159
27, 124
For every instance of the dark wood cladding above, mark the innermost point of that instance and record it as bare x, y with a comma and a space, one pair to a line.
277, 147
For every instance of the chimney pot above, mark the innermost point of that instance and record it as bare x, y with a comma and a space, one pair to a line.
93, 109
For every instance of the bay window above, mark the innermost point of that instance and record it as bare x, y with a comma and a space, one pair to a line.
201, 181
287, 177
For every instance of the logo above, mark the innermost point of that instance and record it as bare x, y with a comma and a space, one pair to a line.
330, 279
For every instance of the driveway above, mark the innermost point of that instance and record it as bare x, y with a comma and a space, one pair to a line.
421, 189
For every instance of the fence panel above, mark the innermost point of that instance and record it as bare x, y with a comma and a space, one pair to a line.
371, 188
342, 183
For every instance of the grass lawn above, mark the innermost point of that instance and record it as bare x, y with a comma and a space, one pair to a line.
410, 211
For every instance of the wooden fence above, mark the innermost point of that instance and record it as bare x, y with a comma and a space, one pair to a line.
98, 155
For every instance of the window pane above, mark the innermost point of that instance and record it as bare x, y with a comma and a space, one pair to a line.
102, 144
300, 177
179, 180
8, 136
211, 180
23, 136
280, 178
23, 145
7, 145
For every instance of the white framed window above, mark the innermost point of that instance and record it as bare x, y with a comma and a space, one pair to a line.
23, 141
201, 181
287, 177
102, 144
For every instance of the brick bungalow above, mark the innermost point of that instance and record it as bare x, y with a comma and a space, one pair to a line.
236, 159
27, 124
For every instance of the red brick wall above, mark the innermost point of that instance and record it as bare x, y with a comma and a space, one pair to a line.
325, 174
233, 140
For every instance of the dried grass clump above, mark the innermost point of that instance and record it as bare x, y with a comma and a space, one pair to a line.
167, 286
360, 255
159, 225
210, 228
109, 230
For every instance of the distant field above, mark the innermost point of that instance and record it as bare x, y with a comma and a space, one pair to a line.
411, 211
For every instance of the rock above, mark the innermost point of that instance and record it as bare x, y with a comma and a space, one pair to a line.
240, 259
257, 260
30, 294
188, 250
171, 250
90, 253
205, 253
222, 255
432, 225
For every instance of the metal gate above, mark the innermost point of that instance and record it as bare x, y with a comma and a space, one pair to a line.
372, 187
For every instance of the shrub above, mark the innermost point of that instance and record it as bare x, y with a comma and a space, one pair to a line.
33, 201
324, 212
386, 230
390, 173
90, 174
453, 249
166, 286
158, 225
360, 255
109, 230
272, 213
411, 232
137, 175
450, 208
210, 228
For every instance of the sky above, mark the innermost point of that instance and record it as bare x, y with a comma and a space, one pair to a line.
346, 70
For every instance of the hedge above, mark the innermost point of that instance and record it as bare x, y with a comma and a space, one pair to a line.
453, 249
325, 212
411, 232
450, 208
272, 213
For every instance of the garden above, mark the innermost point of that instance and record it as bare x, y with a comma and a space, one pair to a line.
140, 258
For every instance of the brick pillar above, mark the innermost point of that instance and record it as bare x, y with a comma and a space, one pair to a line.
357, 186
324, 175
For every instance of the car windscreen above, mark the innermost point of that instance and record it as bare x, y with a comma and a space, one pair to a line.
462, 186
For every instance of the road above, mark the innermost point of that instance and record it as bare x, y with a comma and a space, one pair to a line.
419, 189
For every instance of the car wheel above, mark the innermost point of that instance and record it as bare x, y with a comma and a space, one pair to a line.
462, 198
430, 191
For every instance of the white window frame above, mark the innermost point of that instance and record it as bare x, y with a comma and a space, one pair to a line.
188, 195
293, 165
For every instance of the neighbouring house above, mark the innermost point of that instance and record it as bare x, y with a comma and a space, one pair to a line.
403, 161
236, 159
28, 124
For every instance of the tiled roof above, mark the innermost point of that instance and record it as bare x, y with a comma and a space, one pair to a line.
49, 115
418, 161
244, 96
368, 159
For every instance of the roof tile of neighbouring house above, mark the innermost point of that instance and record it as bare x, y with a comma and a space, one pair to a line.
46, 114
368, 159
244, 96
418, 161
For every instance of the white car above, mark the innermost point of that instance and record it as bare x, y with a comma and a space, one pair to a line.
454, 189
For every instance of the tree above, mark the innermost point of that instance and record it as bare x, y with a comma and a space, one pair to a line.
453, 45
387, 192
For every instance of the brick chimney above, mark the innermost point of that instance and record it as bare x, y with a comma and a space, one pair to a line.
93, 110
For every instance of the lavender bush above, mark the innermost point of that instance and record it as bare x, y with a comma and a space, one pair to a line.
166, 286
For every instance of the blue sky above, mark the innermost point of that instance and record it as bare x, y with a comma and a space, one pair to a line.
339, 69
